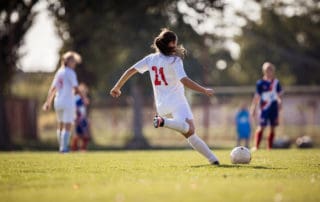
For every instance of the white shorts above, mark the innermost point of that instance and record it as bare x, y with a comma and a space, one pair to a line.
181, 111
65, 114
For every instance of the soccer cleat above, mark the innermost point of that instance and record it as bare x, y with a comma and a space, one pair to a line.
158, 121
216, 163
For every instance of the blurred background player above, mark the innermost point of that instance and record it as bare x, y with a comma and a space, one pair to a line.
243, 125
63, 88
268, 96
82, 127
168, 77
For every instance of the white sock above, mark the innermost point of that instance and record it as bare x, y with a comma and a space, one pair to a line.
180, 126
199, 145
58, 136
64, 141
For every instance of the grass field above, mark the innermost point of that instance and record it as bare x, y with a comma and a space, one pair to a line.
177, 175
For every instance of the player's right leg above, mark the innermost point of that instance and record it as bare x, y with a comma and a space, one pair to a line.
68, 118
178, 123
172, 123
258, 137
60, 126
59, 129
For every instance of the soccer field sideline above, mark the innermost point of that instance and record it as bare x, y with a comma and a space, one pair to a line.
175, 175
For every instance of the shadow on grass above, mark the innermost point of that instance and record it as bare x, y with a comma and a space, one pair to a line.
237, 166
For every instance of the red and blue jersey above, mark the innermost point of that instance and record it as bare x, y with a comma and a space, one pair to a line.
269, 92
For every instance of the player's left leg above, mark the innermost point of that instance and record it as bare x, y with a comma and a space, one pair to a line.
184, 113
198, 144
274, 122
271, 137
74, 142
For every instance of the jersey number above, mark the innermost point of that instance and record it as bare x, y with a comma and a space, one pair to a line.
157, 71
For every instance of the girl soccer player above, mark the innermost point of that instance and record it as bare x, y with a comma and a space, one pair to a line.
268, 95
168, 80
63, 87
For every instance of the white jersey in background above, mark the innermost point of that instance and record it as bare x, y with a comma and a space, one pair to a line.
165, 73
64, 81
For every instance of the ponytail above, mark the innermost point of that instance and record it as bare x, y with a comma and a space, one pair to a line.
161, 44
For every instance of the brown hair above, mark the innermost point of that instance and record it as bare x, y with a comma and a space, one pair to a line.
68, 55
161, 42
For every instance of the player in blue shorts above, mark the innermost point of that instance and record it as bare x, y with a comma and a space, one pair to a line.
268, 96
82, 130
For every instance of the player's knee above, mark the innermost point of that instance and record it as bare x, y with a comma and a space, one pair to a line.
190, 131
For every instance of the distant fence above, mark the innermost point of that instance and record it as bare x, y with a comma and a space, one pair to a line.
214, 117
112, 123
22, 118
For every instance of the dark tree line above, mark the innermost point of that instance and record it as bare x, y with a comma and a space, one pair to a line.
16, 17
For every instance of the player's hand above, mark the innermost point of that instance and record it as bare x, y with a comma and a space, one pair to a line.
279, 104
209, 92
86, 101
115, 92
45, 106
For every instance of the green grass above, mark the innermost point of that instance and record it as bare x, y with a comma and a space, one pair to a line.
183, 175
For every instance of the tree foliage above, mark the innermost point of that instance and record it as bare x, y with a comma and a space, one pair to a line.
112, 35
292, 43
16, 17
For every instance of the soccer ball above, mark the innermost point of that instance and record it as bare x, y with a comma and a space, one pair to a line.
240, 155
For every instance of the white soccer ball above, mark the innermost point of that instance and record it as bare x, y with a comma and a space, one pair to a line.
240, 155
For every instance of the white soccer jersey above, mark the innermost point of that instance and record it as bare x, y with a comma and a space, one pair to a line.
64, 81
165, 74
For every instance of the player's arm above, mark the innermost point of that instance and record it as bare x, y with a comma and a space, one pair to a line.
83, 96
47, 104
279, 100
187, 82
115, 91
254, 104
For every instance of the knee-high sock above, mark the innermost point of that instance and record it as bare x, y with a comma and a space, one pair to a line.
64, 142
180, 126
58, 136
257, 137
270, 139
199, 145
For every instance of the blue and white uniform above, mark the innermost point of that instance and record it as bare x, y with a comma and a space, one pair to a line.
81, 121
269, 92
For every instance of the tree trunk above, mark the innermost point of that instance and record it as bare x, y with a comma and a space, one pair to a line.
5, 141
138, 141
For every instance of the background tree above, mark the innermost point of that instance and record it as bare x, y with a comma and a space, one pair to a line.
112, 35
291, 41
16, 17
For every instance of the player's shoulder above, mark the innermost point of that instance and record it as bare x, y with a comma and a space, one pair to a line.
69, 71
150, 57
260, 82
